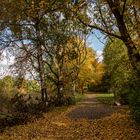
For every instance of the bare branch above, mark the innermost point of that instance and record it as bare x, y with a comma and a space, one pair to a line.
100, 29
124, 7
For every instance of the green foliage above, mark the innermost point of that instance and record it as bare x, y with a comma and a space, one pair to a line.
32, 86
78, 97
135, 106
103, 86
118, 69
55, 101
7, 86
9, 90
134, 98
67, 100
71, 100
124, 82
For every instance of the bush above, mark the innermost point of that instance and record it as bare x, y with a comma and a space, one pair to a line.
55, 101
134, 99
97, 88
123, 95
71, 100
65, 101
24, 103
135, 106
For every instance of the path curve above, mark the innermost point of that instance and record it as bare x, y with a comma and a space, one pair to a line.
64, 124
90, 108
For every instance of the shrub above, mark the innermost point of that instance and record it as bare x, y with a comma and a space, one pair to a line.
64, 101
71, 100
24, 103
123, 95
134, 99
135, 106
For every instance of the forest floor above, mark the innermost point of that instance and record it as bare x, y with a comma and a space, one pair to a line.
87, 120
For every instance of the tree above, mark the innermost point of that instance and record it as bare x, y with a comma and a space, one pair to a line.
86, 74
36, 34
76, 56
123, 81
91, 71
64, 62
32, 87
7, 86
113, 19
118, 68
29, 31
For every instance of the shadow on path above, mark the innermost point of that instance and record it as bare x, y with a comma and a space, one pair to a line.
90, 108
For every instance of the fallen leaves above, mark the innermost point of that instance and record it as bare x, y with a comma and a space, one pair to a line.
55, 125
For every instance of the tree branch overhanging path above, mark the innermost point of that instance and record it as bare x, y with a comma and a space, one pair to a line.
113, 20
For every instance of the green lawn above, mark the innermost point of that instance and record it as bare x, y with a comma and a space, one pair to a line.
106, 98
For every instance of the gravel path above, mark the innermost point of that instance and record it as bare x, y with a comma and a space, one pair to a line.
90, 108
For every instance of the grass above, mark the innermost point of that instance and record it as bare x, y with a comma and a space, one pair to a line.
106, 98
78, 97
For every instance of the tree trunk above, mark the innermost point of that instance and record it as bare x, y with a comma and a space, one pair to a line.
44, 96
82, 88
74, 88
41, 67
42, 76
133, 52
60, 90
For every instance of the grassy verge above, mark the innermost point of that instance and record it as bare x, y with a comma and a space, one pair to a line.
106, 98
79, 97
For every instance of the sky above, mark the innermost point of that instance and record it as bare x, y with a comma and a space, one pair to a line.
4, 63
97, 40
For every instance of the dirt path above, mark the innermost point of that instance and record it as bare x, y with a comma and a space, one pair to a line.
88, 120
90, 108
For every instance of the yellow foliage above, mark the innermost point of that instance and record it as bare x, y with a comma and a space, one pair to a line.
91, 71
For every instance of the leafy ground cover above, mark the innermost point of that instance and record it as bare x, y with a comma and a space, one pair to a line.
23, 113
57, 125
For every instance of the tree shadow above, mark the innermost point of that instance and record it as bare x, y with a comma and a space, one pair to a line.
88, 112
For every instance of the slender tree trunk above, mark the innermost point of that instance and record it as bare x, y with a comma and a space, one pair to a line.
59, 79
43, 87
42, 78
82, 88
41, 67
74, 88
60, 90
